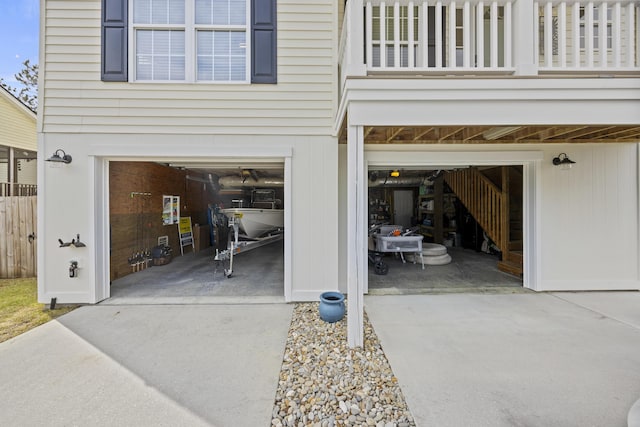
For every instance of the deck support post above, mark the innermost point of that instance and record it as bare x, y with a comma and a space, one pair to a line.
356, 234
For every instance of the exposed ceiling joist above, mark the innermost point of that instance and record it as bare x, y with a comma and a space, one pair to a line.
505, 134
449, 132
555, 132
473, 132
420, 132
393, 133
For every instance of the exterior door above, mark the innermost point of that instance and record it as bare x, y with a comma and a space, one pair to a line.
402, 207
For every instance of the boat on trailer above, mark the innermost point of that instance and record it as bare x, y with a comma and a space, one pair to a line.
256, 222
259, 226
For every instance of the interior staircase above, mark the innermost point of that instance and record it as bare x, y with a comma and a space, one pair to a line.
494, 198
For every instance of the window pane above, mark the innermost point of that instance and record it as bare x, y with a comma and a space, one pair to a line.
237, 68
220, 12
220, 67
158, 11
176, 68
144, 69
221, 43
160, 55
238, 45
204, 12
375, 52
221, 55
142, 11
205, 67
238, 12
160, 67
161, 42
205, 42
144, 41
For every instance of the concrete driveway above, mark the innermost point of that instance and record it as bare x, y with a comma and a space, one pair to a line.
178, 365
565, 359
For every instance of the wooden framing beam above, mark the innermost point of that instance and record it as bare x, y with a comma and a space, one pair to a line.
393, 133
422, 132
554, 132
449, 132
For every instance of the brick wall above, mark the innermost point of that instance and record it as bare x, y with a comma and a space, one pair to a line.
136, 221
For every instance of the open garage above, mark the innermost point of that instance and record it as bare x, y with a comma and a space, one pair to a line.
172, 227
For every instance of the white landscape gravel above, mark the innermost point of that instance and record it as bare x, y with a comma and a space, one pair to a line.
324, 383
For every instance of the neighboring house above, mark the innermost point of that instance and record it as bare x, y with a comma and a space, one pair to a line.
330, 91
18, 146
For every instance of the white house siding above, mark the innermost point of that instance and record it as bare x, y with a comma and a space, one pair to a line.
75, 100
17, 125
94, 121
589, 233
586, 232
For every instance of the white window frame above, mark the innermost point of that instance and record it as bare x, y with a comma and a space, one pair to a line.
190, 29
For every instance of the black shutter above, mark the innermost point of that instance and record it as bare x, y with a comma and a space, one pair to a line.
114, 41
263, 41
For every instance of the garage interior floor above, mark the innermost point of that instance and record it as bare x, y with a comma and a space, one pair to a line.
195, 277
259, 274
469, 271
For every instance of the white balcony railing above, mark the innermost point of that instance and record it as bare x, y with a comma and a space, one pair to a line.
499, 36
452, 36
589, 35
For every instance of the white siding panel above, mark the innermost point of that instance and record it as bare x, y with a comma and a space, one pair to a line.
302, 102
590, 216
17, 126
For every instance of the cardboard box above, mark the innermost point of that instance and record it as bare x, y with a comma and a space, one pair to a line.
201, 238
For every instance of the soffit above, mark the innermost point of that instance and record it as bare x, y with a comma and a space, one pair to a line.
496, 134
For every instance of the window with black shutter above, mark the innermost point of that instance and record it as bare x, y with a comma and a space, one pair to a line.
190, 41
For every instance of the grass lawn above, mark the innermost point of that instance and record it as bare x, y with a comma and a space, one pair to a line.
20, 310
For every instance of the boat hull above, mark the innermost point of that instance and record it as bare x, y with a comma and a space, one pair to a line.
255, 222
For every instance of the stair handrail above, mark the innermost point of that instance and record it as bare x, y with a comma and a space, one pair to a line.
490, 216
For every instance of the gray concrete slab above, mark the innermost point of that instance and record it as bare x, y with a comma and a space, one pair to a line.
196, 278
622, 306
146, 365
511, 360
468, 271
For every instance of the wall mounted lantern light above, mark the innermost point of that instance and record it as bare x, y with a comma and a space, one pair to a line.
59, 156
563, 161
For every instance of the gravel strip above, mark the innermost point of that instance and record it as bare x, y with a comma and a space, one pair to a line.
324, 383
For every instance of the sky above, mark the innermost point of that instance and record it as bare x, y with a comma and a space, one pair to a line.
19, 27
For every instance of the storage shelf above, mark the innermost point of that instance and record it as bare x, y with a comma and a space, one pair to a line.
442, 207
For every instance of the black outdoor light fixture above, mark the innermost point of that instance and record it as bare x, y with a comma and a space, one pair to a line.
59, 156
563, 161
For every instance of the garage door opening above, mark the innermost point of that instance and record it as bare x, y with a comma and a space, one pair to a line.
465, 224
172, 222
